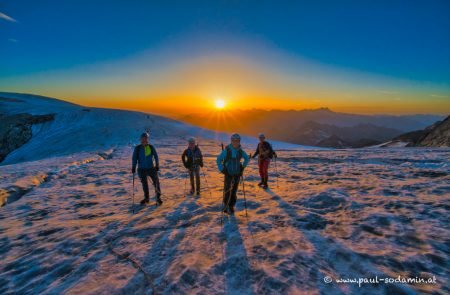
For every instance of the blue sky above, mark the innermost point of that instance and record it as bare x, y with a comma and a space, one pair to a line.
399, 40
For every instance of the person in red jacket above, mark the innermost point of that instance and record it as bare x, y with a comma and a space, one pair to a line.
265, 152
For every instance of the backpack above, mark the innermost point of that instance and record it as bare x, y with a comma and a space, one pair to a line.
268, 146
193, 157
271, 151
236, 168
229, 153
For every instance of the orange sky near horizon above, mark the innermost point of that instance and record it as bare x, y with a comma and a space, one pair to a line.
189, 104
159, 83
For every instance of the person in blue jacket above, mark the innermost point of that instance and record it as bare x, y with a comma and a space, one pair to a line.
229, 162
143, 156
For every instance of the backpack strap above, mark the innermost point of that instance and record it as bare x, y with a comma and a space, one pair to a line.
228, 157
191, 153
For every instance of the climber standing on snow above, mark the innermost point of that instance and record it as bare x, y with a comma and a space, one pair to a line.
143, 157
192, 160
229, 163
265, 152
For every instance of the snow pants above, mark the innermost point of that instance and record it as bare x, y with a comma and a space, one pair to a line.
153, 174
231, 185
263, 165
194, 172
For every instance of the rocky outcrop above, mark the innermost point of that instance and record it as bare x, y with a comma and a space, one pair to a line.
436, 135
439, 136
413, 137
15, 130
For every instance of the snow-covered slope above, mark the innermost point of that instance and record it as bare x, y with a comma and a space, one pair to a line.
15, 103
391, 144
337, 214
76, 128
68, 226
79, 129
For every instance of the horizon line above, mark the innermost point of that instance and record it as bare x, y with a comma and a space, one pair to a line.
168, 111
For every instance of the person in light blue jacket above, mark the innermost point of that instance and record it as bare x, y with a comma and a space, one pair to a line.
229, 162
143, 157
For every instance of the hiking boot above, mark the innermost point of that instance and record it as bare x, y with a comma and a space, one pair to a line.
261, 183
231, 210
191, 192
158, 200
144, 201
198, 194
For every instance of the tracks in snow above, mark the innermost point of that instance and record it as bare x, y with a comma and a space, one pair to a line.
13, 193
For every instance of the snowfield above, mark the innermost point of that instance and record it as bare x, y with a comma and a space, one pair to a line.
78, 129
68, 226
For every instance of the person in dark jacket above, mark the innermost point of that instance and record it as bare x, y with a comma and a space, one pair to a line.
143, 156
229, 163
265, 152
192, 160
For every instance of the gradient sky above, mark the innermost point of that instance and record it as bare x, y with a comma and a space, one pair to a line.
178, 56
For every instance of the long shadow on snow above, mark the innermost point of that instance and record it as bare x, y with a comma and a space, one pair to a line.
155, 262
67, 270
70, 272
237, 270
341, 260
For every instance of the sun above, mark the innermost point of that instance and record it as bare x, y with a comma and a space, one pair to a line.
220, 104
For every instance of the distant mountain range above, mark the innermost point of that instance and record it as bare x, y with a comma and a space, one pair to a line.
319, 127
33, 127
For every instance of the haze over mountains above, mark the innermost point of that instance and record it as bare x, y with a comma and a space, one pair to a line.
34, 127
319, 127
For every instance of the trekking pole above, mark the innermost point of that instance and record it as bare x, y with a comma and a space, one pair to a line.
185, 181
223, 206
133, 194
245, 199
276, 171
223, 195
206, 181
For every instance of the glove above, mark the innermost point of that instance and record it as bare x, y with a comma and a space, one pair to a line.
224, 170
157, 168
133, 170
242, 170
201, 164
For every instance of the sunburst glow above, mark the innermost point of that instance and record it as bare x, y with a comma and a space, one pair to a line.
219, 103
